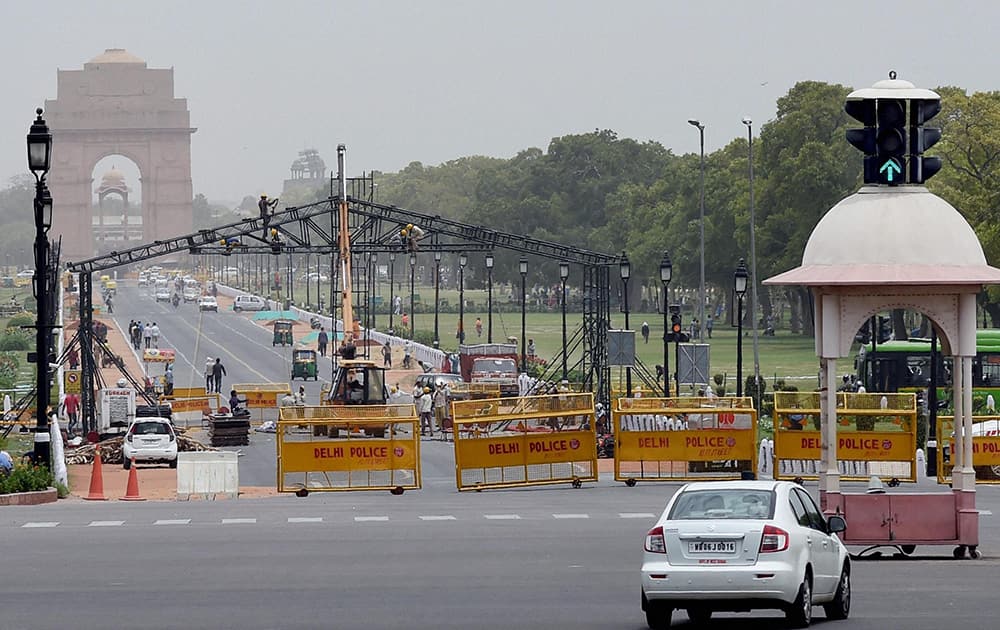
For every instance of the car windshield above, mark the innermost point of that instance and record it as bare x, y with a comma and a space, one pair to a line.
723, 504
151, 428
494, 365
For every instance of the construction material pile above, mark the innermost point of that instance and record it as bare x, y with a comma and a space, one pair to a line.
111, 450
228, 431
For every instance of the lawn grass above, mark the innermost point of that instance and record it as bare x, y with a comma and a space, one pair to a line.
785, 356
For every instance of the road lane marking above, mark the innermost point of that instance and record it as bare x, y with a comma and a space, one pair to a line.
239, 521
564, 516
636, 515
442, 517
305, 519
173, 521
106, 523
502, 517
368, 519
985, 512
40, 524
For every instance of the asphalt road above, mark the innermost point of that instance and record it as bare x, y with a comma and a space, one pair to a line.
529, 558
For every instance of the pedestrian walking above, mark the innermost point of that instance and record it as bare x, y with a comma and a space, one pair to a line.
218, 370
440, 407
108, 303
168, 378
209, 379
531, 350
73, 356
645, 331
479, 327
708, 325
72, 407
425, 406
322, 340
387, 355
155, 335
407, 354
147, 335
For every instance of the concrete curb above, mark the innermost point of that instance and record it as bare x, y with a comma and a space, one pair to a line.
30, 498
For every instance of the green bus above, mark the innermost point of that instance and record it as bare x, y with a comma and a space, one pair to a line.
906, 365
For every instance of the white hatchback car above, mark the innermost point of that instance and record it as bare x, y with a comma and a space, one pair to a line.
742, 545
208, 303
150, 439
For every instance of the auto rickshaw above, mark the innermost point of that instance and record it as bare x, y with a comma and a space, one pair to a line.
282, 332
304, 364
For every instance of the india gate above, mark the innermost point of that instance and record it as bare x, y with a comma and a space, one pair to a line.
118, 106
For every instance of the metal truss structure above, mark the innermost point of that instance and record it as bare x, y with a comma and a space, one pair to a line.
374, 229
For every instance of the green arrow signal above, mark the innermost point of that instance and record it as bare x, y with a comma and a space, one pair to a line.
887, 168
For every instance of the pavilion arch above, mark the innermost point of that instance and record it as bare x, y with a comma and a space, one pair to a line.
118, 106
941, 309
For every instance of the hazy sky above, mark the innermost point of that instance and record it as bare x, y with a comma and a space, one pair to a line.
431, 81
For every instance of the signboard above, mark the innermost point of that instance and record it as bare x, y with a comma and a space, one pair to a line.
71, 381
696, 445
693, 363
529, 449
872, 446
117, 409
621, 348
345, 455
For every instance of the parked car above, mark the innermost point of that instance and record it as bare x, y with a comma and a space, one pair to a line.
150, 440
431, 379
208, 303
741, 545
249, 303
312, 277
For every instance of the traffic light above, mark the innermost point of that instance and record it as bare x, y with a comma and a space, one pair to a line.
864, 139
890, 141
676, 326
922, 138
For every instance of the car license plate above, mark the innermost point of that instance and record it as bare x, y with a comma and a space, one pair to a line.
712, 546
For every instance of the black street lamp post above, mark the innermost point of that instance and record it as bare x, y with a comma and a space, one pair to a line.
392, 293
740, 287
625, 271
666, 271
563, 274
489, 307
413, 314
701, 231
463, 260
39, 160
522, 267
437, 301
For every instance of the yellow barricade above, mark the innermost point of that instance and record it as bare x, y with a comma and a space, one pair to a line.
262, 395
204, 404
344, 455
473, 391
985, 448
876, 435
689, 438
535, 440
187, 392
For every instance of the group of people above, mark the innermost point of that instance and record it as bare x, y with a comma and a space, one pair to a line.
143, 335
432, 407
214, 371
296, 399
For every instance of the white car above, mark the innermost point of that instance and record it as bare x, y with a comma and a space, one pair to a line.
208, 303
143, 279
163, 294
191, 294
150, 440
312, 277
742, 545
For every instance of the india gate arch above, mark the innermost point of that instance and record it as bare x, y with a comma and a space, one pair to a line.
118, 106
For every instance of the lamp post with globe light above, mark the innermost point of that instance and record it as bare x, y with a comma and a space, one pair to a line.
740, 288
666, 272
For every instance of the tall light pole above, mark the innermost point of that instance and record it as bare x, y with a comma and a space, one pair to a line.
413, 318
39, 160
753, 272
489, 307
522, 267
437, 285
666, 272
563, 274
463, 260
701, 232
392, 287
740, 288
625, 271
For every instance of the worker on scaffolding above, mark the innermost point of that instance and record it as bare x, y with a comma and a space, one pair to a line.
266, 207
410, 235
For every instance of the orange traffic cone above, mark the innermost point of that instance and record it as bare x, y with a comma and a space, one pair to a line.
132, 490
96, 480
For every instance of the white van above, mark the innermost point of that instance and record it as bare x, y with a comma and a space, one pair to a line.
249, 303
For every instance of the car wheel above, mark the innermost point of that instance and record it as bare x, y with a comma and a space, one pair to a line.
126, 462
840, 606
173, 463
237, 309
699, 616
658, 615
799, 614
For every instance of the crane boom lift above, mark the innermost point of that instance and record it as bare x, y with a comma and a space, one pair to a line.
351, 328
